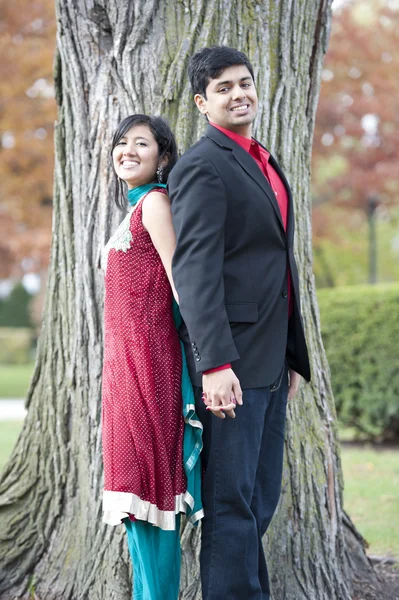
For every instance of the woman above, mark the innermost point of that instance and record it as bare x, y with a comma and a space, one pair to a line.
148, 478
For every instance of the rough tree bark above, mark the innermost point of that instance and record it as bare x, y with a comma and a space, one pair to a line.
114, 58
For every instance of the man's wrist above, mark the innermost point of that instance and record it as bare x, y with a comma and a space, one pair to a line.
220, 368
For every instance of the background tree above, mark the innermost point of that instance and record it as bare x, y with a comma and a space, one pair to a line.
356, 144
113, 59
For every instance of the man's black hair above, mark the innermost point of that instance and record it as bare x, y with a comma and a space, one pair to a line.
166, 145
209, 63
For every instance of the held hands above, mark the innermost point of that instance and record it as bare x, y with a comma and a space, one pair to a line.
221, 393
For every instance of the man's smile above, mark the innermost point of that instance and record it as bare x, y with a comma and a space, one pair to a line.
240, 108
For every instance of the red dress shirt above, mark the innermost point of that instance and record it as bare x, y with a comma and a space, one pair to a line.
261, 157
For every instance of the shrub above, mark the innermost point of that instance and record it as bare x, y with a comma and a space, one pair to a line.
360, 328
14, 310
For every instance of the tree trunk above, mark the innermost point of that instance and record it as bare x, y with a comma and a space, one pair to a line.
115, 58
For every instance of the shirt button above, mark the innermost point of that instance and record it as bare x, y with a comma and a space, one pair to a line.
285, 294
275, 192
197, 359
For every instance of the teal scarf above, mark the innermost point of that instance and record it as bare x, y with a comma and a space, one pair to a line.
137, 193
192, 439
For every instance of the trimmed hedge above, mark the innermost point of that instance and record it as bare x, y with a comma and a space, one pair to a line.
360, 329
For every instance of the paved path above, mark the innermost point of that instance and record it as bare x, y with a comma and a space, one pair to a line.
12, 410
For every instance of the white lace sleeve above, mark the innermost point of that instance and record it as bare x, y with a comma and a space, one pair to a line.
120, 240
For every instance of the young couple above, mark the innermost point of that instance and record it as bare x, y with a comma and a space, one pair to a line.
212, 235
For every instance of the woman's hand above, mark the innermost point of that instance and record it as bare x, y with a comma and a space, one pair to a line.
222, 393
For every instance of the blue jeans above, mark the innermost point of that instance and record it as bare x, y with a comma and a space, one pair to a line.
243, 458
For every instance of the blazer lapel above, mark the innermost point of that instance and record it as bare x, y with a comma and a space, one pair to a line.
248, 164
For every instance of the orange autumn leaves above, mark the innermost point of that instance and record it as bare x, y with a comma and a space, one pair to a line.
27, 114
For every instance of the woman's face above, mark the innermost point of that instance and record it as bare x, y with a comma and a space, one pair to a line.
136, 156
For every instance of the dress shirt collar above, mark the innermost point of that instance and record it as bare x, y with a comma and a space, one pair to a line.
242, 141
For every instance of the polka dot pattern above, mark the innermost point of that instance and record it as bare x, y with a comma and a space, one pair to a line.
142, 421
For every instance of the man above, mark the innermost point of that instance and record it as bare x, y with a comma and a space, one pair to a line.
237, 281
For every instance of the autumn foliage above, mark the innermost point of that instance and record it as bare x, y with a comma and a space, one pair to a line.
358, 113
27, 114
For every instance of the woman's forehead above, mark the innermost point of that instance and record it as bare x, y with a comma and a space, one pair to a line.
140, 131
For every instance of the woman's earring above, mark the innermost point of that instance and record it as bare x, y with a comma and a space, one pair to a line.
160, 174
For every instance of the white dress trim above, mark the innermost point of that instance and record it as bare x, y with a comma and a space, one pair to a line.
118, 505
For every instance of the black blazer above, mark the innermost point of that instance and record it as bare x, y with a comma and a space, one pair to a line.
230, 265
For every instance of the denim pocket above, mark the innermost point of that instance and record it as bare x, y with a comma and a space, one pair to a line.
276, 385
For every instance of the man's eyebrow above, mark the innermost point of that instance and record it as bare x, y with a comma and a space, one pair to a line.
227, 82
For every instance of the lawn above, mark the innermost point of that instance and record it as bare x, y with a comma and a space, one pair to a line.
371, 496
14, 380
371, 493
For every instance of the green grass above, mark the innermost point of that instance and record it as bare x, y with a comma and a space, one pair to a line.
371, 496
371, 493
9, 432
350, 434
14, 380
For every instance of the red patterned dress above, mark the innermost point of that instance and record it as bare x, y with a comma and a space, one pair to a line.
142, 421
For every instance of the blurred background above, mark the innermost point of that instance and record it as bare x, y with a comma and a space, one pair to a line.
355, 195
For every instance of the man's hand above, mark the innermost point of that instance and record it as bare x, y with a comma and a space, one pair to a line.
293, 385
222, 392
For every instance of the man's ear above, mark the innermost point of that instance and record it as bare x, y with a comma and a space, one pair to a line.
201, 103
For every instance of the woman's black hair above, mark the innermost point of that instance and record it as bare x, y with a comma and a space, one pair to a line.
209, 63
166, 145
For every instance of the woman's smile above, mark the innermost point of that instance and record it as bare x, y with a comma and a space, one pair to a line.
129, 164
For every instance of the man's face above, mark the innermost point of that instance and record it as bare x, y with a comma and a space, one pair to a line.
231, 100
